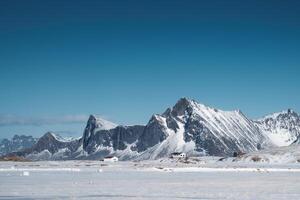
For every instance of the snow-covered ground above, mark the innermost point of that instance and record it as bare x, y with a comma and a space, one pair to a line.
205, 178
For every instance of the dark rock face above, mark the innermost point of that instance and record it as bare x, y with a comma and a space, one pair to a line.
100, 140
89, 130
152, 134
17, 143
117, 138
95, 125
156, 130
181, 107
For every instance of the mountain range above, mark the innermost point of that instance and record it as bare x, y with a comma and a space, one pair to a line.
17, 143
188, 126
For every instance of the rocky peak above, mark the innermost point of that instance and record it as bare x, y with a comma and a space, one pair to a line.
182, 106
93, 125
48, 135
286, 114
286, 119
92, 120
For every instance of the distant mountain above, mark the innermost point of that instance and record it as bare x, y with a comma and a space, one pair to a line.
187, 127
50, 146
282, 128
17, 143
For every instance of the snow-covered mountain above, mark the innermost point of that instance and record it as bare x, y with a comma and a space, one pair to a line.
282, 128
17, 143
50, 146
99, 141
187, 127
198, 129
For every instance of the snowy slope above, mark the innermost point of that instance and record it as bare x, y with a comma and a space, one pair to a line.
282, 128
174, 142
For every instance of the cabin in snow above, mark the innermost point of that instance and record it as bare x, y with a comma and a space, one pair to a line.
178, 155
110, 159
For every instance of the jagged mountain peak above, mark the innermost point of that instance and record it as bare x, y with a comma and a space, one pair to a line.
185, 106
288, 113
155, 118
189, 106
92, 119
55, 136
49, 135
95, 124
181, 106
100, 123
282, 128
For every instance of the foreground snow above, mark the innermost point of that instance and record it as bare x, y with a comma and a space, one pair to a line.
206, 178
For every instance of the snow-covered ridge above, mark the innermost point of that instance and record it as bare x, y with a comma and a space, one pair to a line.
63, 139
282, 128
276, 114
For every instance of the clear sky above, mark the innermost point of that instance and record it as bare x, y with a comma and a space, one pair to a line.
125, 60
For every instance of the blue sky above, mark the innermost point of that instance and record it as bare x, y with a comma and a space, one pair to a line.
125, 60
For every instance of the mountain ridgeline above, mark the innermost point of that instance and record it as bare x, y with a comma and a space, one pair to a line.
17, 143
187, 127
